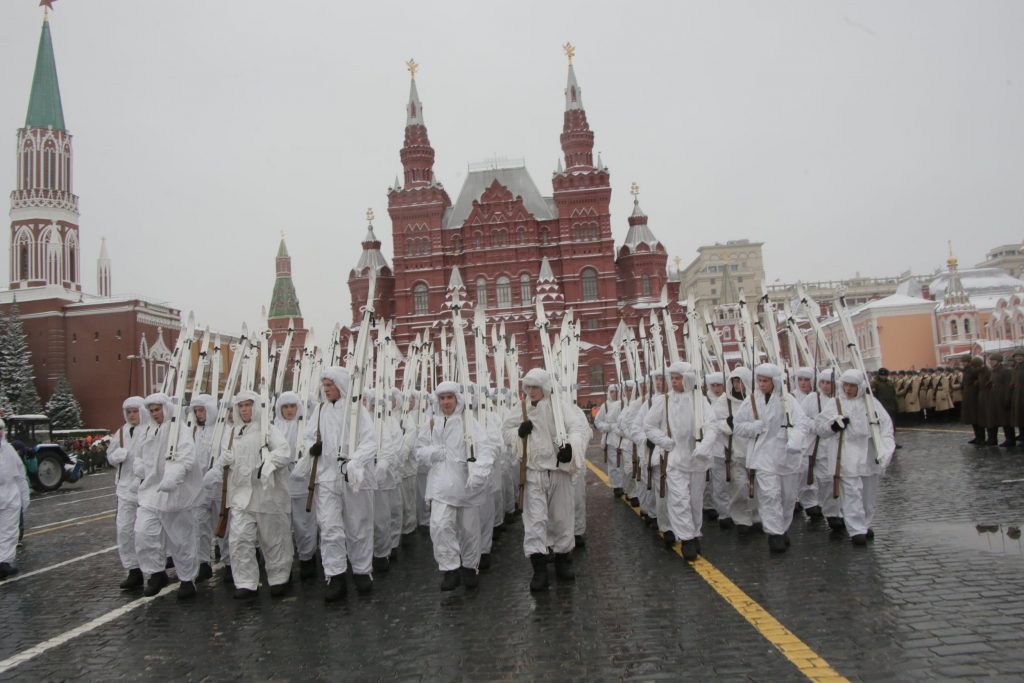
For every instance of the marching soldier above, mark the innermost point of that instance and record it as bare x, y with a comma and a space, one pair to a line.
999, 403
824, 451
204, 410
970, 410
605, 421
742, 506
13, 502
124, 448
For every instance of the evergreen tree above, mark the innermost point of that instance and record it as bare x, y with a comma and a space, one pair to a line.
63, 408
5, 404
16, 367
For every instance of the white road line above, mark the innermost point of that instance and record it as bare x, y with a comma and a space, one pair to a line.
82, 500
1011, 481
19, 577
61, 496
73, 519
36, 650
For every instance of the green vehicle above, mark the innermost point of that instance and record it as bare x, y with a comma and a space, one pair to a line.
47, 463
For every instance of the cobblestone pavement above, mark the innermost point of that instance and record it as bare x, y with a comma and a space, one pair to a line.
932, 598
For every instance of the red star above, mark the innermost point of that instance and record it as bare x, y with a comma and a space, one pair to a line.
48, 4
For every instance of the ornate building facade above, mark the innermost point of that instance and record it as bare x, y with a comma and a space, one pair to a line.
509, 243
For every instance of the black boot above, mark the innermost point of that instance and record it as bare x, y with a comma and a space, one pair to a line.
186, 590
245, 593
670, 540
156, 583
870, 534
757, 527
776, 543
634, 501
581, 542
743, 529
815, 513
859, 539
227, 577
280, 589
7, 570
133, 581
711, 514
785, 538
307, 568
336, 588
485, 561
364, 583
451, 580
563, 567
690, 550
836, 523
205, 572
617, 493
725, 523
470, 578
798, 507
381, 564
539, 582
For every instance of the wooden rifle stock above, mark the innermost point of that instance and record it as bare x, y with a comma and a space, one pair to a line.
316, 461
811, 462
728, 446
751, 479
662, 476
222, 521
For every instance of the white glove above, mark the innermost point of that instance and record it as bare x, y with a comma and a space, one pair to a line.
724, 427
227, 458
138, 468
266, 476
666, 444
437, 455
884, 460
757, 426
212, 478
166, 485
355, 477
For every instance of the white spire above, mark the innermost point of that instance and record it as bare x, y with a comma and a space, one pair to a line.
414, 110
573, 92
546, 275
560, 169
456, 280
103, 270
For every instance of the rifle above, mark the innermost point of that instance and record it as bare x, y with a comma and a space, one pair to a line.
748, 334
222, 522
316, 460
839, 449
522, 463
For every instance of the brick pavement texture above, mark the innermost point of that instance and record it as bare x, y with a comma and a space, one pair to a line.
928, 599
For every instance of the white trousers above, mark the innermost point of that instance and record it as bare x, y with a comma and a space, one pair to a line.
548, 516
858, 496
685, 504
387, 520
649, 496
510, 482
223, 543
776, 496
455, 533
830, 506
304, 527
125, 525
579, 500
345, 520
808, 494
274, 533
204, 529
10, 517
154, 528
742, 508
616, 475
422, 505
485, 513
721, 490
629, 484
409, 504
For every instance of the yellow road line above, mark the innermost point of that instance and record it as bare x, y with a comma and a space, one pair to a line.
931, 429
65, 526
795, 650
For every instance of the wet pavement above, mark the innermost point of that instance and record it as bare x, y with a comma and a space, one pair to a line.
937, 595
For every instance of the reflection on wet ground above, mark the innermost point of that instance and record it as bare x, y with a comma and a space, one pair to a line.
1004, 539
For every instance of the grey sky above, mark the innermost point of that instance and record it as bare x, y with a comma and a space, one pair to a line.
848, 136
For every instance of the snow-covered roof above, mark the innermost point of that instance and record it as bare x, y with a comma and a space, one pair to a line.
515, 178
977, 281
897, 301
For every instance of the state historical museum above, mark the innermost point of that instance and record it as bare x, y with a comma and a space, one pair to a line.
510, 244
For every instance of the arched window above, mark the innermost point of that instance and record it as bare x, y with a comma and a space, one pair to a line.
24, 255
66, 160
967, 325
543, 235
597, 377
953, 328
521, 236
457, 244
26, 166
589, 276
49, 168
645, 283
425, 246
504, 292
481, 291
408, 247
478, 240
419, 298
72, 268
525, 290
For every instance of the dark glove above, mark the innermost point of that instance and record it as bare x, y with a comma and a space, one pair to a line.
837, 428
565, 453
316, 449
728, 421
846, 421
651, 445
525, 428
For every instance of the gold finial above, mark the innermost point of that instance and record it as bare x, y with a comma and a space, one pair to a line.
634, 189
369, 215
951, 261
47, 5
677, 261
570, 51
412, 66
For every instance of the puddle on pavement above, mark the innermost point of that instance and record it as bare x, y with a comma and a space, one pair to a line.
1004, 539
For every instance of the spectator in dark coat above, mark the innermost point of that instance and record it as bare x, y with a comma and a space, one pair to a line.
1000, 403
969, 410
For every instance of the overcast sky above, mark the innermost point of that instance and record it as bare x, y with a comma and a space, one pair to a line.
848, 136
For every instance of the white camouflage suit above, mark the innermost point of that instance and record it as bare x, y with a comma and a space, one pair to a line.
606, 422
125, 445
859, 473
206, 515
168, 494
13, 498
548, 506
825, 457
777, 451
387, 498
258, 498
454, 493
344, 480
741, 507
688, 461
303, 523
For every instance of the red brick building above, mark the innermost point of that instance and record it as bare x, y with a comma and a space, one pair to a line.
109, 347
511, 243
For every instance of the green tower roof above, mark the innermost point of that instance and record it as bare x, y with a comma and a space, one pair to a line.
284, 303
44, 108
